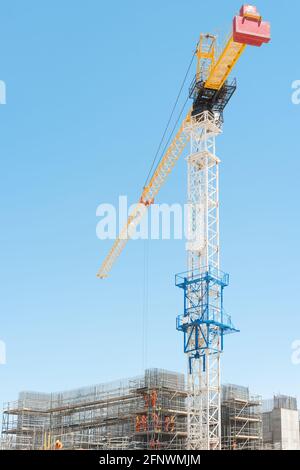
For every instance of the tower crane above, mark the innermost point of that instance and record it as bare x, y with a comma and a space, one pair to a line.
204, 321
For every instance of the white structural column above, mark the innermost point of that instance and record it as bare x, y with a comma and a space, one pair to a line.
204, 408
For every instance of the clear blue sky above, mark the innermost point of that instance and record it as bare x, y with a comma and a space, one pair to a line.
89, 88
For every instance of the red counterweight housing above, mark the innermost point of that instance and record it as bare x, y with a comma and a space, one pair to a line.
248, 27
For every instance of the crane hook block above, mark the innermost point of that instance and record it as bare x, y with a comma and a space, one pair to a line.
248, 27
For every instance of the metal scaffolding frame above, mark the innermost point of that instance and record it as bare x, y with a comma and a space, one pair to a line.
241, 418
145, 412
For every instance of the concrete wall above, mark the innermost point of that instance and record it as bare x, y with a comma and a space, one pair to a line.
281, 428
290, 429
267, 428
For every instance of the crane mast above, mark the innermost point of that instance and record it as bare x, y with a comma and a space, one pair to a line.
204, 322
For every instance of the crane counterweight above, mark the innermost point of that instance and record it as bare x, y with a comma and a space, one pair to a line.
248, 27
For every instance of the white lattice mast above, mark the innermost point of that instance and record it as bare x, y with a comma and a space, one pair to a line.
204, 322
204, 412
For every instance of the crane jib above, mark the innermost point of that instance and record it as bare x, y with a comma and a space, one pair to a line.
211, 94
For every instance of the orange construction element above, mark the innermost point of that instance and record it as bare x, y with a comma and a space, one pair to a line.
137, 423
167, 423
153, 398
144, 423
58, 445
148, 202
172, 423
156, 422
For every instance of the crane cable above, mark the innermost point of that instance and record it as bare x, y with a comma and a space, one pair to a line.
169, 120
172, 132
145, 312
145, 309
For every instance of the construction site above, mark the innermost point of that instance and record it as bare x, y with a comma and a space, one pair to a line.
167, 410
146, 412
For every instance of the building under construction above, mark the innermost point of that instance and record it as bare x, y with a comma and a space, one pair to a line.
281, 423
145, 412
241, 418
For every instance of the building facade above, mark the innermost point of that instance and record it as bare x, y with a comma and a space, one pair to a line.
281, 423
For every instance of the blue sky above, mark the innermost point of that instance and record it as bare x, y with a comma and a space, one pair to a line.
89, 89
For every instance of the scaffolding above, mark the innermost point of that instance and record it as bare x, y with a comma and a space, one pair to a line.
241, 418
280, 401
145, 412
